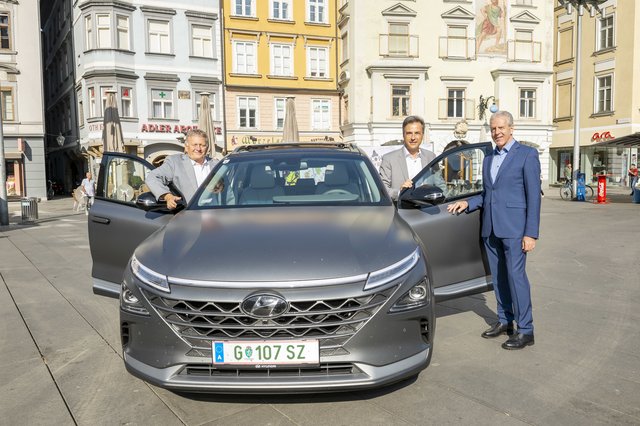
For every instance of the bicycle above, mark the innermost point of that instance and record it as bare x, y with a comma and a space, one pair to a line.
566, 191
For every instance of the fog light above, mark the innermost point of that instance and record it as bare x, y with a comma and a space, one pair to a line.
417, 297
130, 303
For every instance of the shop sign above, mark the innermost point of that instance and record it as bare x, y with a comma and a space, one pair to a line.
166, 128
184, 94
601, 137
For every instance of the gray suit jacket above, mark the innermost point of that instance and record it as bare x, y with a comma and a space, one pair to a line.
394, 172
176, 170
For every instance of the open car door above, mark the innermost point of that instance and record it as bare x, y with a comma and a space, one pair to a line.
455, 252
116, 225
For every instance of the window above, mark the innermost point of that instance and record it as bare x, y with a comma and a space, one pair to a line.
247, 111
523, 46
280, 106
8, 108
88, 32
565, 45
527, 103
162, 103
126, 104
103, 97
399, 39
524, 2
103, 29
317, 62
245, 57
457, 42
455, 103
212, 105
563, 100
317, 11
201, 41
605, 33
603, 94
159, 37
5, 31
281, 63
400, 100
345, 48
80, 109
91, 95
281, 9
320, 114
244, 8
123, 32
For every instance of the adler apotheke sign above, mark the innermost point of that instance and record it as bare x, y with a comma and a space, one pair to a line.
170, 128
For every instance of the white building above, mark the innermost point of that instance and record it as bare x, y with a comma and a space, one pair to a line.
436, 58
158, 56
21, 97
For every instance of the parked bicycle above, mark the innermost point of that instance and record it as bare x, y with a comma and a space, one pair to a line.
566, 192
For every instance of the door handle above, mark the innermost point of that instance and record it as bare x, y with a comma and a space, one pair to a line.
102, 220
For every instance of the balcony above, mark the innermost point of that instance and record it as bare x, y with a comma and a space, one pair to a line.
457, 48
523, 51
456, 109
399, 45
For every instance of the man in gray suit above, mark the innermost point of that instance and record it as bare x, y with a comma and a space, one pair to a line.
185, 171
399, 167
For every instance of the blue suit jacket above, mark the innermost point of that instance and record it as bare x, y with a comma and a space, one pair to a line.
511, 204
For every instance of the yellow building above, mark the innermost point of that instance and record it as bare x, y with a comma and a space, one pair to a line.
274, 49
609, 93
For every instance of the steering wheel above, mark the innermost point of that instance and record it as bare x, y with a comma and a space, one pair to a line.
338, 191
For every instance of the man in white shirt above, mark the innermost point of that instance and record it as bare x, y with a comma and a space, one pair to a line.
185, 172
399, 167
88, 188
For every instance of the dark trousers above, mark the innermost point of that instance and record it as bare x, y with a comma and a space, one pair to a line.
508, 262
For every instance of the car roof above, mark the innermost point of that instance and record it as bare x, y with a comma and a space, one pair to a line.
298, 147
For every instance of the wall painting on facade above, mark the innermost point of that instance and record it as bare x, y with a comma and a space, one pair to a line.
491, 27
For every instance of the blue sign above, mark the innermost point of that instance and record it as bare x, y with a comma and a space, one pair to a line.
580, 189
218, 352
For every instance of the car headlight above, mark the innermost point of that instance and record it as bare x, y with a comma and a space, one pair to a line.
390, 273
130, 303
418, 296
149, 277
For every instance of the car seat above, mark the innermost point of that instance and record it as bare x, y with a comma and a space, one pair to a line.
337, 179
261, 189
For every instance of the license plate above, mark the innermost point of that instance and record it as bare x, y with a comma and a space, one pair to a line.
266, 352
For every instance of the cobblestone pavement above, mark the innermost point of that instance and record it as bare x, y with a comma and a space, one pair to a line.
60, 358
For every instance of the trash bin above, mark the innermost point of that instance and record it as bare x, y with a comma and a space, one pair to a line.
636, 195
29, 208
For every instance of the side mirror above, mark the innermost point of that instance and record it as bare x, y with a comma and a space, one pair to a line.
425, 195
147, 202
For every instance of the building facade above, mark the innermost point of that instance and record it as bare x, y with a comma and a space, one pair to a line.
158, 57
65, 162
21, 99
609, 90
435, 59
275, 49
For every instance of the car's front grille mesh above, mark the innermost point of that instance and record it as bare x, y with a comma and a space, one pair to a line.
331, 321
326, 369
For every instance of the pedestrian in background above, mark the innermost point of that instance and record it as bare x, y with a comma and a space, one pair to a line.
88, 188
399, 167
510, 203
633, 177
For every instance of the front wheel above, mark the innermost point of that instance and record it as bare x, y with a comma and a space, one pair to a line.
588, 193
566, 192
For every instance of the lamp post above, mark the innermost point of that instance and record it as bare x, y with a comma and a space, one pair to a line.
594, 7
483, 105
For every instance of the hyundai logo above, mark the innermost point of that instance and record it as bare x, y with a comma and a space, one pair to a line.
264, 306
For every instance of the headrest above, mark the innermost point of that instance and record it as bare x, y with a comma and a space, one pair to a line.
261, 179
337, 176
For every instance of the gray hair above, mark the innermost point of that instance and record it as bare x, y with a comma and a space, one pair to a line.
503, 114
412, 119
197, 132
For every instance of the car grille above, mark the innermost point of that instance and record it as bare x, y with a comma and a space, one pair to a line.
326, 369
331, 321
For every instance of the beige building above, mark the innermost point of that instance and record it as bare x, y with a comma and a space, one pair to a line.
609, 95
21, 97
436, 58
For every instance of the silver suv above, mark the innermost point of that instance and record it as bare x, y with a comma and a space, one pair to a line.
299, 275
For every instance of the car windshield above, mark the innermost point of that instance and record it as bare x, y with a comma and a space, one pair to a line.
300, 178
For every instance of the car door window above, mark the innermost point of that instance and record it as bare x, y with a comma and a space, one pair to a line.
458, 173
125, 179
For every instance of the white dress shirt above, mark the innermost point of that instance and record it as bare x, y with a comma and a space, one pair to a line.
414, 165
202, 170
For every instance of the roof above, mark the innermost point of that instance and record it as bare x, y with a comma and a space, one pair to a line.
297, 145
628, 141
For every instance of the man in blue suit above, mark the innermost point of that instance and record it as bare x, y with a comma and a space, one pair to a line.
510, 203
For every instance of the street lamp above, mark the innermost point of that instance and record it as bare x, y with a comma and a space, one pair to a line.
594, 7
483, 105
60, 139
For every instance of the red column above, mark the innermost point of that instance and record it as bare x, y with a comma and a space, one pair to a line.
602, 189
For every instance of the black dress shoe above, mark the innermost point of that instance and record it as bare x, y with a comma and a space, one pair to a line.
497, 330
518, 341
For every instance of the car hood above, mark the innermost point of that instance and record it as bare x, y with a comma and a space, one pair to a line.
278, 244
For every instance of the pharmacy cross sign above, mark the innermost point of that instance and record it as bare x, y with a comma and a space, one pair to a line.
162, 94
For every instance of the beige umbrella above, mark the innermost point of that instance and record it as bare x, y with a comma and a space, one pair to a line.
205, 122
290, 127
112, 139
